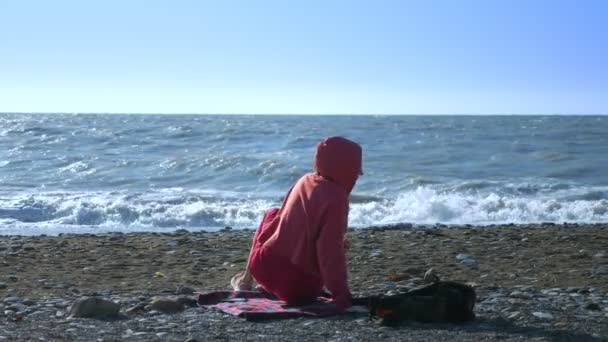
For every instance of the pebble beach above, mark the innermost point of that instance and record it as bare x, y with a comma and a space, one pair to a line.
534, 282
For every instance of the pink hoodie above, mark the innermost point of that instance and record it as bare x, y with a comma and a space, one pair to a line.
308, 230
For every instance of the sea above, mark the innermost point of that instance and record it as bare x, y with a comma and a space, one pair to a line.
95, 173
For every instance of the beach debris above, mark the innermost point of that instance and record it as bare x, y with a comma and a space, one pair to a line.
159, 275
94, 307
166, 305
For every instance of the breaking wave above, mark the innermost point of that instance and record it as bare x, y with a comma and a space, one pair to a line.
171, 209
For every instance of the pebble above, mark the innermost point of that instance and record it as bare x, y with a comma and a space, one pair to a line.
9, 300
94, 307
3, 286
543, 315
513, 315
601, 270
375, 253
184, 290
593, 307
466, 259
519, 294
166, 305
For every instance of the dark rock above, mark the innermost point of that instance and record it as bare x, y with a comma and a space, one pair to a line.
187, 301
593, 307
184, 290
166, 305
94, 307
29, 302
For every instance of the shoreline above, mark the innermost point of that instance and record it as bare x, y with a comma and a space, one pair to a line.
391, 226
533, 281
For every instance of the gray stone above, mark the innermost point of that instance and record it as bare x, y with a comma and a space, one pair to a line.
17, 307
376, 253
184, 290
3, 286
543, 315
466, 259
94, 307
601, 270
29, 302
166, 305
9, 300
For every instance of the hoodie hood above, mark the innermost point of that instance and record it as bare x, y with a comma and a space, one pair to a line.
339, 160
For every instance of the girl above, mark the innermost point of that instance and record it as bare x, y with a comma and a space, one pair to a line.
300, 248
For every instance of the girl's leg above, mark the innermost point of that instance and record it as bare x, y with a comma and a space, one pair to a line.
243, 281
279, 277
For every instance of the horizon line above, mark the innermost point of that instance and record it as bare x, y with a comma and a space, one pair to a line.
316, 114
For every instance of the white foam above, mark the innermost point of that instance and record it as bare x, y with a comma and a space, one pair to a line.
176, 208
426, 206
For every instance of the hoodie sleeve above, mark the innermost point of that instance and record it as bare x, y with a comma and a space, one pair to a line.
331, 255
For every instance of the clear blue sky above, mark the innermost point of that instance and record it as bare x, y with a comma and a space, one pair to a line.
222, 56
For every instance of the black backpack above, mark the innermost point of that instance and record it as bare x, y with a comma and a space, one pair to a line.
443, 301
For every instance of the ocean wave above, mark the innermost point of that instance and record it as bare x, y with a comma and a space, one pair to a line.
427, 206
169, 208
176, 208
